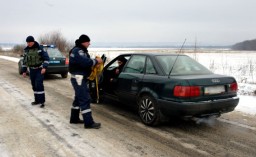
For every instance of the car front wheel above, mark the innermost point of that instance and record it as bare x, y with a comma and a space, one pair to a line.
149, 111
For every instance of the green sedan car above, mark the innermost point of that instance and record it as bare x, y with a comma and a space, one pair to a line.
168, 85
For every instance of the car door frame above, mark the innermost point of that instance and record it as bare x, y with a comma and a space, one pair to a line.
130, 83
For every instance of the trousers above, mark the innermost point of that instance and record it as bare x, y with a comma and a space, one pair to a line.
82, 98
37, 84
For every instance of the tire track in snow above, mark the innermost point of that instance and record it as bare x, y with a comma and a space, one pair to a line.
54, 124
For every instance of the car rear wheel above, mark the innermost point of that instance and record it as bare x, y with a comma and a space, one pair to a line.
149, 111
64, 75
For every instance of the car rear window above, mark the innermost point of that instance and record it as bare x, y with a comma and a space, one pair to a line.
53, 52
184, 65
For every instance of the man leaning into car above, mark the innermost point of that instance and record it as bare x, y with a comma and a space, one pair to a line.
37, 60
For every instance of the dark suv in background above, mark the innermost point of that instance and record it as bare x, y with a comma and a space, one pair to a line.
58, 63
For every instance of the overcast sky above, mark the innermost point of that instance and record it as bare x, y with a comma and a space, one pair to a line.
207, 21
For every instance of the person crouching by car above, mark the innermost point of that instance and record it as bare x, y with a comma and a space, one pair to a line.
80, 65
37, 60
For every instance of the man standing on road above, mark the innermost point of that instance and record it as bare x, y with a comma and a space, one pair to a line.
37, 60
80, 65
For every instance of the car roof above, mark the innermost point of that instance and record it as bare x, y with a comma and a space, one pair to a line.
153, 54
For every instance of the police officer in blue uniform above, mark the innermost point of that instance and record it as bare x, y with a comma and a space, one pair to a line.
80, 65
37, 60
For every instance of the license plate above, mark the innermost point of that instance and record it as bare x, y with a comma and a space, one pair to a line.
214, 90
54, 62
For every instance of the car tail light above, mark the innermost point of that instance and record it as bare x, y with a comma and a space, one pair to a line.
234, 87
186, 91
66, 61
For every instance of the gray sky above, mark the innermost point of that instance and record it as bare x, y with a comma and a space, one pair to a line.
209, 21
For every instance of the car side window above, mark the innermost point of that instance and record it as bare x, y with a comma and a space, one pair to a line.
136, 64
150, 69
115, 63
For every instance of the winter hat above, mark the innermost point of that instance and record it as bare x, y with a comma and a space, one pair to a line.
30, 39
84, 38
122, 59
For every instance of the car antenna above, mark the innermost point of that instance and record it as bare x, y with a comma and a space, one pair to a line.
177, 58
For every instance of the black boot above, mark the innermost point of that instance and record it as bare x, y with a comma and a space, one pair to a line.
35, 103
93, 126
42, 105
74, 118
89, 122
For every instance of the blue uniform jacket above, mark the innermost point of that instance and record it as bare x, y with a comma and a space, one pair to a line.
80, 62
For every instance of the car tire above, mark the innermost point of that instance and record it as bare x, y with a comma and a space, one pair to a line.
19, 68
149, 111
64, 75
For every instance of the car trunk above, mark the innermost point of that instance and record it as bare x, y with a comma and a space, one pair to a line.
211, 87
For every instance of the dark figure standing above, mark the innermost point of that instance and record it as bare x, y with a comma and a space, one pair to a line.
37, 60
80, 65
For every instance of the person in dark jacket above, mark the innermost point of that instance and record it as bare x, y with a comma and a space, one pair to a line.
121, 61
37, 60
80, 65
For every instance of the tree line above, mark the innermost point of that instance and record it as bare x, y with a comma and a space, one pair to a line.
52, 38
248, 45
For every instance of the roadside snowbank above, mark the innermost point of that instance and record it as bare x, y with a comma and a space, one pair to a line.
247, 104
10, 58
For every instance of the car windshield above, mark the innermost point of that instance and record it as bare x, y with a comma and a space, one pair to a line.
53, 52
184, 65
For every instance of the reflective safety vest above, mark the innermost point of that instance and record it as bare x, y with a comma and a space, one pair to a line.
32, 58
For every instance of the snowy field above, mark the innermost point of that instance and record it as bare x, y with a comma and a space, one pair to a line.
239, 64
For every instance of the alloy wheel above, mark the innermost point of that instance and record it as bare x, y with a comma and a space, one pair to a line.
148, 111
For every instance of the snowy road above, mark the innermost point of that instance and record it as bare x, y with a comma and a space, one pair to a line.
27, 130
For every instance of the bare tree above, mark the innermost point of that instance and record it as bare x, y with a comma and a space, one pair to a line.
18, 49
251, 69
212, 65
56, 38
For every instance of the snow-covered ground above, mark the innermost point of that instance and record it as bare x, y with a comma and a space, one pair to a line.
10, 58
247, 103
